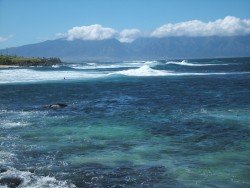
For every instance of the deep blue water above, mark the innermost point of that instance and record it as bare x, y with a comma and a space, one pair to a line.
127, 124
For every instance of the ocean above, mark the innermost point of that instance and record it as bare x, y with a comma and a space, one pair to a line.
126, 124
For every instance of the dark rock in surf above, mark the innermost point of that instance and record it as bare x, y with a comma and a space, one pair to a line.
56, 106
32, 170
11, 182
2, 170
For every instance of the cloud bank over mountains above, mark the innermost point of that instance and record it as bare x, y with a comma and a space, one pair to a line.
92, 32
129, 35
98, 32
229, 26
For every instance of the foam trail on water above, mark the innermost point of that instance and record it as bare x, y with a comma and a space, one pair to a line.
151, 63
104, 66
185, 63
5, 157
27, 75
124, 64
9, 124
28, 180
146, 70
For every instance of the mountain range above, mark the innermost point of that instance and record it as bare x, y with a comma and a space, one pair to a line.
181, 47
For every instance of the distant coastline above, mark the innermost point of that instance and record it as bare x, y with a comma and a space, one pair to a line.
144, 48
10, 61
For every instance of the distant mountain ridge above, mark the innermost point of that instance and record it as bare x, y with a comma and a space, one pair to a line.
141, 49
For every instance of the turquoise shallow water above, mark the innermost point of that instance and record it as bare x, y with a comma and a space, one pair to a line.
127, 124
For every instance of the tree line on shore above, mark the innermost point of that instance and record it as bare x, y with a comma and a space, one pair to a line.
28, 61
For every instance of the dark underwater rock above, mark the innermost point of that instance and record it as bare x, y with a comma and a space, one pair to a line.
56, 106
11, 182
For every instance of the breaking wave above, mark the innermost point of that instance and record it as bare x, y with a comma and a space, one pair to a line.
185, 63
144, 70
105, 65
99, 70
56, 66
28, 75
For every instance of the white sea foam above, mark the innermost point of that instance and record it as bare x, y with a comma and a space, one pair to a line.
147, 68
144, 70
56, 66
206, 74
15, 119
105, 66
135, 61
6, 157
31, 180
9, 125
151, 63
28, 75
185, 63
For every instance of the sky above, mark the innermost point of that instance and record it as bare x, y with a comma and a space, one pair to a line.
32, 21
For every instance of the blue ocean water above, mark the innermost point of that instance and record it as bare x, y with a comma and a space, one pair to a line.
127, 124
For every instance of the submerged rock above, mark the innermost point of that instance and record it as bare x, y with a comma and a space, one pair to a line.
11, 182
56, 106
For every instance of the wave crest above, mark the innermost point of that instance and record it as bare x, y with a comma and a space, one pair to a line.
144, 70
104, 66
185, 63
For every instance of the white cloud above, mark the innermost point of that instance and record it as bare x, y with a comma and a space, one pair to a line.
3, 39
92, 32
229, 26
61, 35
98, 32
129, 35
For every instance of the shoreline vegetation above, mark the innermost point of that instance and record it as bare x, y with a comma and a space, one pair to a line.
7, 61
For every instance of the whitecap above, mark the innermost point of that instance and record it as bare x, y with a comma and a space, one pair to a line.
151, 63
28, 75
144, 70
104, 66
31, 180
135, 61
55, 66
185, 63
